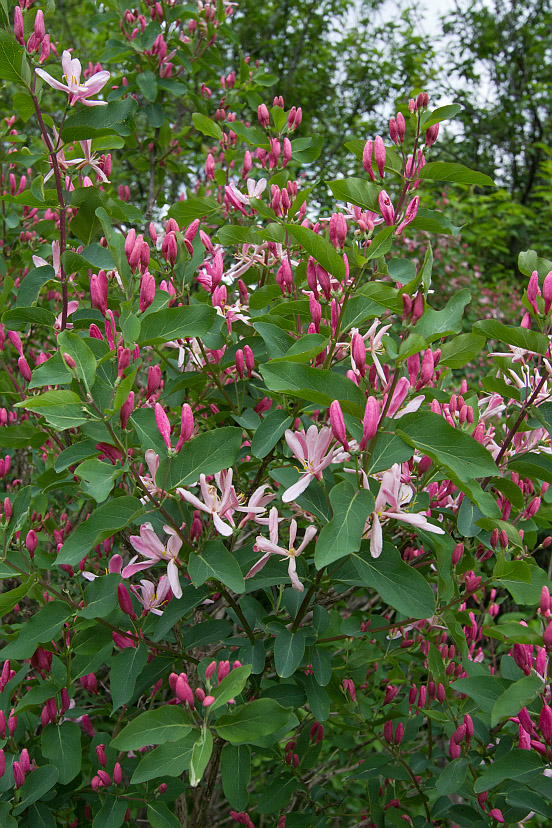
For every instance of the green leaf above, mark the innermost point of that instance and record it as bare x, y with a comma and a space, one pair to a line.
518, 695
388, 449
125, 669
111, 814
533, 465
321, 666
171, 759
359, 308
61, 744
519, 765
201, 753
268, 433
307, 150
463, 457
452, 777
154, 727
277, 794
235, 765
18, 318
9, 599
176, 323
216, 563
29, 290
38, 695
75, 453
442, 113
455, 173
100, 597
208, 453
97, 478
251, 721
40, 628
62, 409
147, 83
528, 261
231, 686
40, 816
436, 324
236, 234
289, 649
318, 699
103, 522
484, 690
316, 385
13, 63
434, 222
191, 208
343, 534
356, 191
277, 341
36, 784
85, 360
457, 352
401, 586
206, 126
7, 820
115, 117
52, 372
160, 817
381, 243
518, 337
206, 632
320, 248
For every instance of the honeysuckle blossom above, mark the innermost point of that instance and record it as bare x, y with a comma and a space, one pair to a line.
311, 449
38, 261
271, 547
152, 462
254, 190
76, 90
220, 506
150, 597
392, 497
155, 551
71, 308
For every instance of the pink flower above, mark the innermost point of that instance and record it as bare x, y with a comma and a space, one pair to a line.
270, 547
395, 494
76, 90
310, 449
150, 597
149, 545
221, 505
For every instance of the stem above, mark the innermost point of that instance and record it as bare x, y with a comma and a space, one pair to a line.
62, 206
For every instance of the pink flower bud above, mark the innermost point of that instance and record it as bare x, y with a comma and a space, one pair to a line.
386, 208
210, 168
496, 813
100, 753
163, 425
210, 669
454, 750
186, 426
379, 155
125, 601
126, 409
184, 692
18, 775
223, 670
545, 723
147, 291
393, 131
169, 248
388, 731
367, 159
31, 542
431, 135
263, 116
104, 778
207, 701
337, 423
399, 733
24, 368
370, 421
117, 774
399, 395
24, 761
18, 29
2, 762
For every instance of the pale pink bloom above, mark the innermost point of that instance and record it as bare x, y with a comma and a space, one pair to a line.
38, 261
220, 501
150, 597
152, 462
155, 551
257, 499
392, 497
76, 90
71, 308
270, 547
310, 449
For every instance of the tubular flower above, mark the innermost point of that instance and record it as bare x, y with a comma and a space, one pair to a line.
270, 547
310, 449
76, 90
150, 597
155, 551
392, 497
220, 506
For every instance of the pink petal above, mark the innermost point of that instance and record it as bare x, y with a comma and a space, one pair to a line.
132, 568
221, 527
376, 540
172, 574
292, 571
259, 565
55, 84
298, 488
310, 532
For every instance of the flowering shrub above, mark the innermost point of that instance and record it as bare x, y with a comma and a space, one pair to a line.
267, 559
